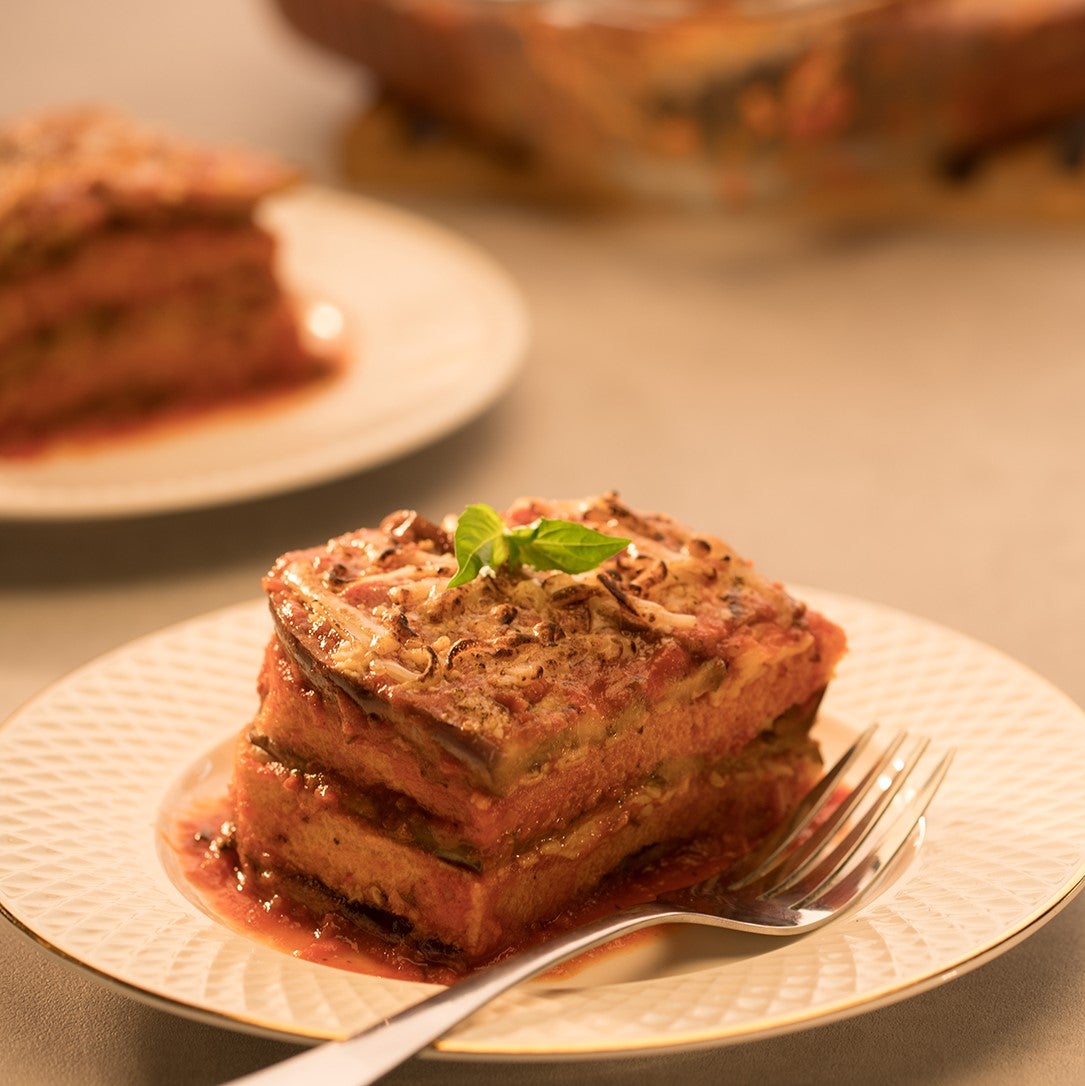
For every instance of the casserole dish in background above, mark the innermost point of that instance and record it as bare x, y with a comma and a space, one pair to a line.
710, 102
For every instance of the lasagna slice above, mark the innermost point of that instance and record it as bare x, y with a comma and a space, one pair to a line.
459, 767
133, 278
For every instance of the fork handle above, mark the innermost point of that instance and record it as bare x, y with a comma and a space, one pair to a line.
366, 1056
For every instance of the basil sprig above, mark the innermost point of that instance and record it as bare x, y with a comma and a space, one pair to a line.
482, 539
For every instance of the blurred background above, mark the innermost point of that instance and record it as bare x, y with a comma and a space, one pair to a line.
877, 300
806, 275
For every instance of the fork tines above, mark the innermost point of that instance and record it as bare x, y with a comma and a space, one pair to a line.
843, 835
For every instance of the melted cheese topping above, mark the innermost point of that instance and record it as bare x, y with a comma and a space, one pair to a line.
673, 609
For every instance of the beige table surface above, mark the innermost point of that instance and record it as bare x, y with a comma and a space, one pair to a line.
897, 417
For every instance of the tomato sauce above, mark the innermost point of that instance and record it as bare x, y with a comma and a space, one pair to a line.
200, 840
211, 869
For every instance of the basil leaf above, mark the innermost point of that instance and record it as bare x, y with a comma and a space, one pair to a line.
565, 545
480, 541
483, 540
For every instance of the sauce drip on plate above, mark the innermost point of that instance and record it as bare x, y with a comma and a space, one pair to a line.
201, 841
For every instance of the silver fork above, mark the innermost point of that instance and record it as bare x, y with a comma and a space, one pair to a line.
813, 869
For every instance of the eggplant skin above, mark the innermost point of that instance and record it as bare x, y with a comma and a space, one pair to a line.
475, 761
511, 673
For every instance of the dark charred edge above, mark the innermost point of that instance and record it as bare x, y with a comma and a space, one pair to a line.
480, 758
394, 813
391, 928
322, 676
629, 616
612, 586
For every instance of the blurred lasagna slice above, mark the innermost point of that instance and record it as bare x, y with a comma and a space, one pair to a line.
133, 278
457, 768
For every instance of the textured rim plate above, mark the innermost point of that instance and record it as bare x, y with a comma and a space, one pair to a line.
435, 333
88, 768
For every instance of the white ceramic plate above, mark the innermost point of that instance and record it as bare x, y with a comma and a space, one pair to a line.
435, 331
88, 769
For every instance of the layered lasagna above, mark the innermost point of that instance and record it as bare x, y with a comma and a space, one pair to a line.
458, 768
134, 278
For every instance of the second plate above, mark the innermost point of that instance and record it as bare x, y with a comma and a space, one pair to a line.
435, 332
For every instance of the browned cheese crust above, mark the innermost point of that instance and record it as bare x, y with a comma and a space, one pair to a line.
503, 745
